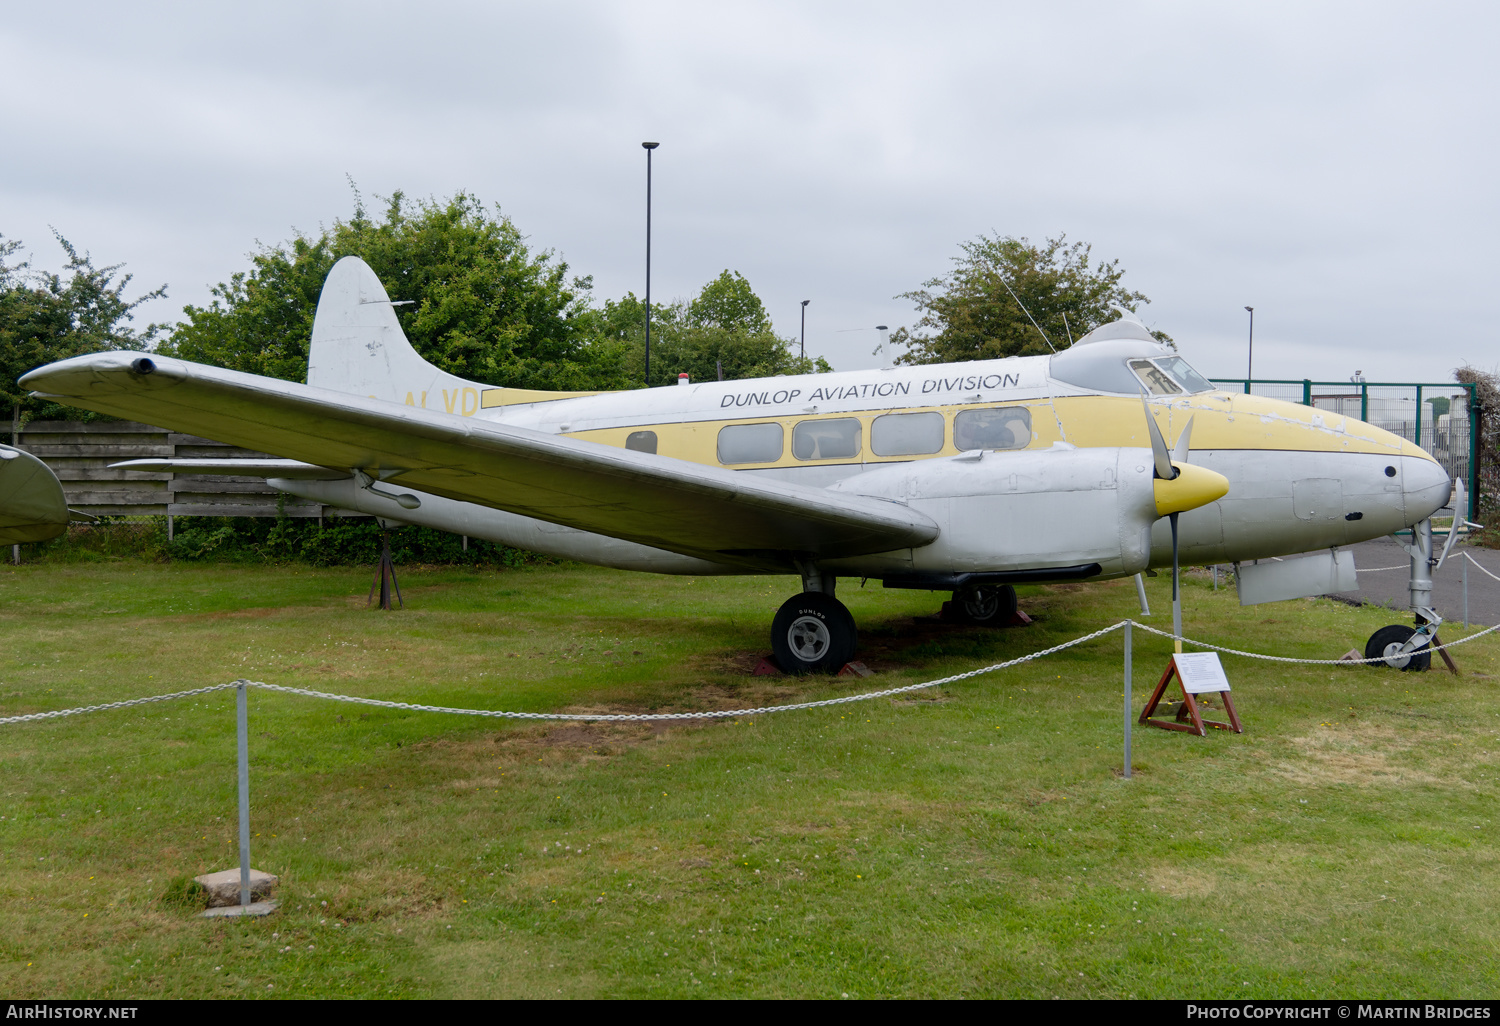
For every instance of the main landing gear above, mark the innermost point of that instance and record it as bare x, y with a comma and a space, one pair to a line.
813, 633
984, 605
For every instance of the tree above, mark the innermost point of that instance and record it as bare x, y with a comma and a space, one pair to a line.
725, 325
972, 312
49, 317
484, 306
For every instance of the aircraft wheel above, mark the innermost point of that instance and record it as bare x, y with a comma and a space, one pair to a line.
985, 605
813, 633
1388, 640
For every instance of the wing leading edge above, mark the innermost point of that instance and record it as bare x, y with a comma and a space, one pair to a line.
655, 500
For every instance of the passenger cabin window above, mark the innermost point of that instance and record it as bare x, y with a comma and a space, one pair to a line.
641, 441
907, 434
750, 443
1008, 427
1158, 381
836, 439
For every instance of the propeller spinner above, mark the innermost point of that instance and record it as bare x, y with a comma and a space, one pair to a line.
1179, 486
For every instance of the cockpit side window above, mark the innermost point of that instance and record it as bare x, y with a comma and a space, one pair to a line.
1156, 380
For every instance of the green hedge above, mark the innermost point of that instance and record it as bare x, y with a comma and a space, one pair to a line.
337, 542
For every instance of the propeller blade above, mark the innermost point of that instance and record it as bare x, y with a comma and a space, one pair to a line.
1164, 469
1184, 442
1460, 518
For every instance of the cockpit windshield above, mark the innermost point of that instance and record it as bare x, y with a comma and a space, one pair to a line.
1184, 375
1156, 380
1126, 366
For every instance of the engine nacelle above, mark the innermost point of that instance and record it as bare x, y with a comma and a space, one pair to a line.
1029, 510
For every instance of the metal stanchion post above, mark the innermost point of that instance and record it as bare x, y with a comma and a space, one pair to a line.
1129, 709
242, 715
1465, 562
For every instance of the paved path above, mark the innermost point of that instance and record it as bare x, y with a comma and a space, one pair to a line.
1389, 586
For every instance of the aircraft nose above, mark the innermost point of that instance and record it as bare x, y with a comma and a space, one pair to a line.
1425, 487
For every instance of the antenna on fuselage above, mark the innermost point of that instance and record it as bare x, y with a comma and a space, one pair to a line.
1027, 312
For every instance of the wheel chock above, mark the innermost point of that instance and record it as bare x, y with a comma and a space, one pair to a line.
768, 667
856, 669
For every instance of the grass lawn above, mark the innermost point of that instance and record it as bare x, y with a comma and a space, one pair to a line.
975, 840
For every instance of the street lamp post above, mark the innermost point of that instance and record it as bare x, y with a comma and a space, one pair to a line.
648, 147
1250, 360
804, 327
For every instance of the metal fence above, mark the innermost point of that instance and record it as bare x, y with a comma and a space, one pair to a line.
1441, 417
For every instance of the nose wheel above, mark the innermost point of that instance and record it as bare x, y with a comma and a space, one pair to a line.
1387, 644
813, 633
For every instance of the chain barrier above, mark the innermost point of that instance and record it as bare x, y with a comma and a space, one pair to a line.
116, 705
1480, 565
717, 714
1315, 662
1404, 566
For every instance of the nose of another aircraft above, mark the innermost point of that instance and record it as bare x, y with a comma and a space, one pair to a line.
1425, 487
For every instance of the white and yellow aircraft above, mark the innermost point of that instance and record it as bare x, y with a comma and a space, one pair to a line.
969, 477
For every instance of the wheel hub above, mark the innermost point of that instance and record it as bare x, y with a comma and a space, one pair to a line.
981, 603
1394, 657
809, 638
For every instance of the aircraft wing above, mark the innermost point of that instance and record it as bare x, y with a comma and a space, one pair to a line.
655, 500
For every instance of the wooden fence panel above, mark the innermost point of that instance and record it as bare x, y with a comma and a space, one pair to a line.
80, 453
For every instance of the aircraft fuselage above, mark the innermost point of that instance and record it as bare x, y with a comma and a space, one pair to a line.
1300, 478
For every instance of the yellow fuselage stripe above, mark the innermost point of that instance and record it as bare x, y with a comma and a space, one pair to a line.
1221, 420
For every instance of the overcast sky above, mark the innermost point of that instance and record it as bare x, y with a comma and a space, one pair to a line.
1332, 165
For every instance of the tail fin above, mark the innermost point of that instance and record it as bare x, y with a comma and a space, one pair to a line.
358, 347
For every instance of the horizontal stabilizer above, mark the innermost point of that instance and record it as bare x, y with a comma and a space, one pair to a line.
32, 505
292, 470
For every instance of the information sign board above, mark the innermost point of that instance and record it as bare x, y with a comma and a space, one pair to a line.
1200, 672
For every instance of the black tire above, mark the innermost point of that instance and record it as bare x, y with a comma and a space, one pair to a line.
813, 633
984, 605
1389, 638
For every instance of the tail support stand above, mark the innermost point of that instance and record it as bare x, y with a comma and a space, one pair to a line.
385, 575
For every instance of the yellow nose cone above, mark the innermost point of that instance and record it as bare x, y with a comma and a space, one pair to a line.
1193, 487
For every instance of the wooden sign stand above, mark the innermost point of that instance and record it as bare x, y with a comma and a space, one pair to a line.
1203, 676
